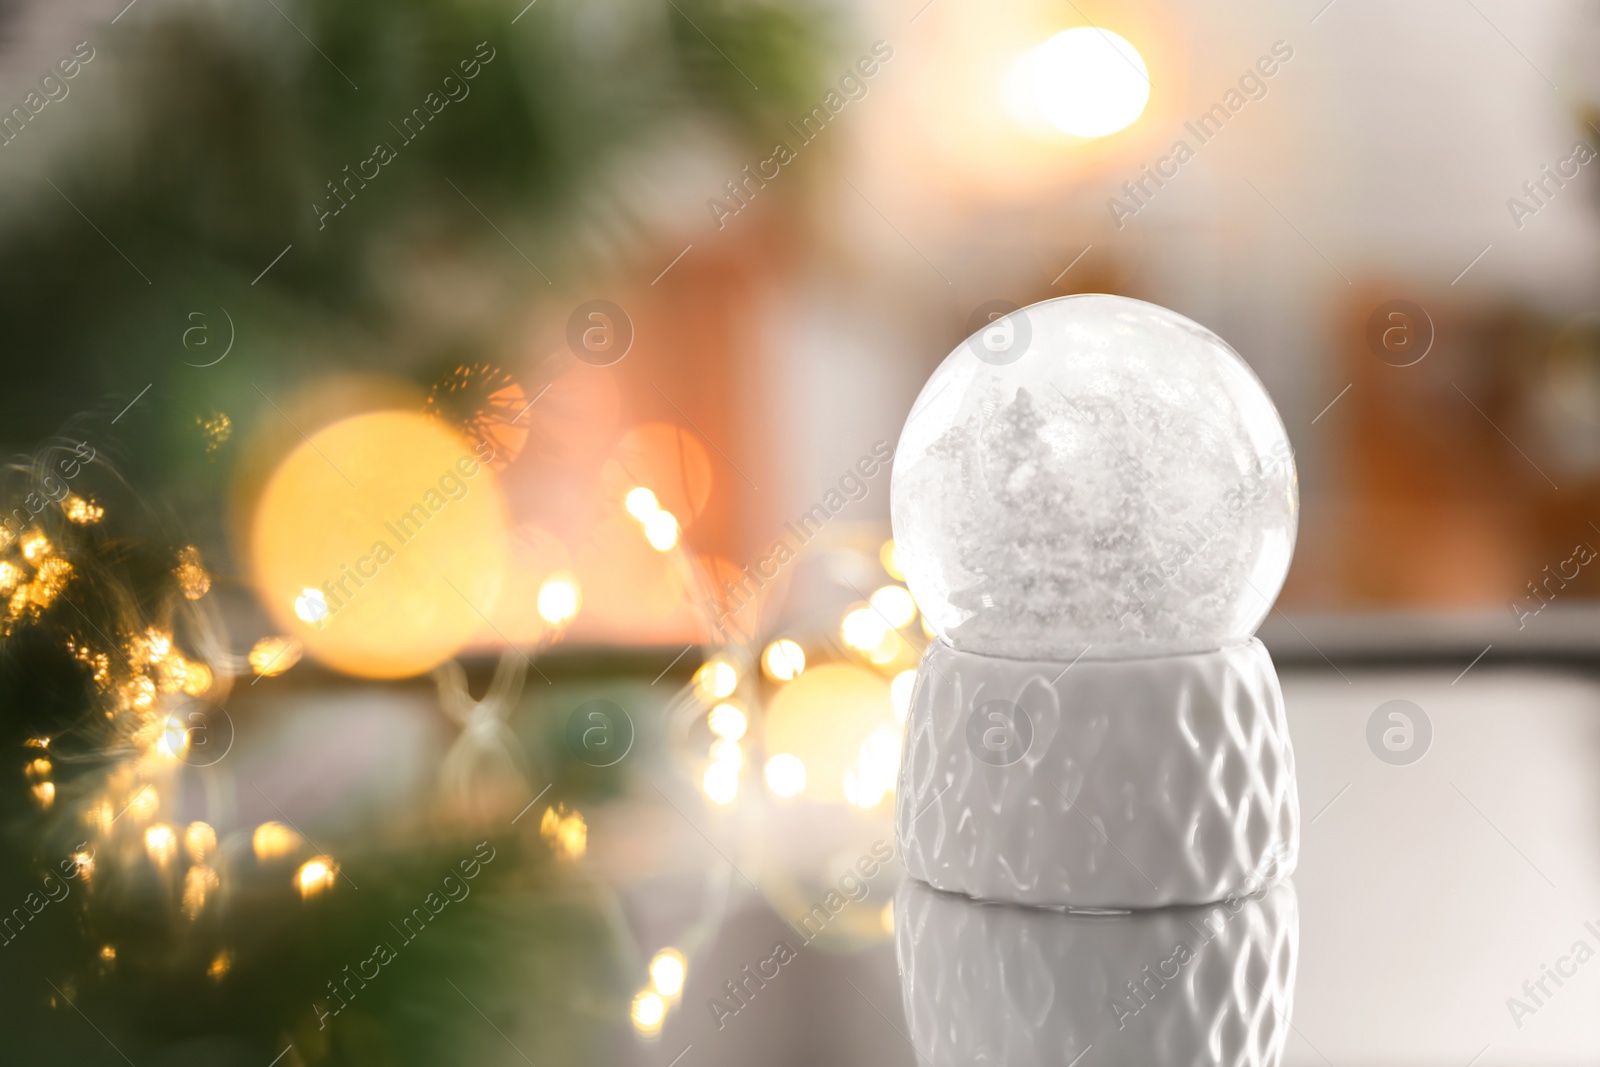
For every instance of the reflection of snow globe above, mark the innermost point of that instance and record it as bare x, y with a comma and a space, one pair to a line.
1095, 506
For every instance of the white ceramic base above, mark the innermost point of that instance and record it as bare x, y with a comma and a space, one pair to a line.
1119, 784
991, 985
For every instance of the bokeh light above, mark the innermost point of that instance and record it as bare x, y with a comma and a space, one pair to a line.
394, 518
560, 599
894, 603
823, 718
721, 782
783, 660
728, 721
1086, 81
716, 679
785, 775
316, 875
667, 972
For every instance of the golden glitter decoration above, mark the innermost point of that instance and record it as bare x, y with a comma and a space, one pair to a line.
191, 574
216, 428
36, 546
196, 678
565, 832
99, 663
81, 511
274, 655
10, 576
199, 882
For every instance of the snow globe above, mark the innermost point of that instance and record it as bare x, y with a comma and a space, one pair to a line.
1095, 504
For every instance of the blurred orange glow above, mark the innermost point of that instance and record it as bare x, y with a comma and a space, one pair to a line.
400, 525
665, 459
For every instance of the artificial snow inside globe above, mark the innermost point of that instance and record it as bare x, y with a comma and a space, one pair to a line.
1094, 503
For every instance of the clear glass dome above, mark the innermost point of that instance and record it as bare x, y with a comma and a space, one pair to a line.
1094, 475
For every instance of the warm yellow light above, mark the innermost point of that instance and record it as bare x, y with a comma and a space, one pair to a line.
81, 511
641, 503
273, 840
890, 647
886, 917
199, 882
716, 679
559, 599
161, 843
565, 832
196, 678
900, 693
174, 740
890, 561
725, 751
785, 775
721, 782
403, 528
894, 603
83, 862
316, 875
1087, 82
668, 971
45, 794
823, 718
143, 805
38, 768
863, 629
274, 655
648, 1012
783, 659
220, 966
727, 720
661, 530
311, 605
191, 574
35, 546
200, 841
108, 953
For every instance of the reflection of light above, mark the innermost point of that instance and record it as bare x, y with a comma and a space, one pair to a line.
199, 882
721, 782
196, 678
200, 841
559, 600
45, 793
900, 693
886, 917
1086, 81
927, 628
783, 659
726, 720
661, 530
174, 740
877, 767
894, 603
274, 655
863, 629
725, 751
822, 719
161, 843
272, 840
887, 649
311, 605
890, 561
716, 679
648, 1012
316, 875
641, 503
83, 863
144, 803
786, 775
667, 972
565, 832
220, 965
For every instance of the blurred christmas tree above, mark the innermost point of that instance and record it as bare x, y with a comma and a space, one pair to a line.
231, 196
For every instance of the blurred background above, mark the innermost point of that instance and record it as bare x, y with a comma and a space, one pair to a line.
447, 428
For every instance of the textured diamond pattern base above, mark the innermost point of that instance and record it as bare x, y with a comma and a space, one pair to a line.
1144, 783
996, 984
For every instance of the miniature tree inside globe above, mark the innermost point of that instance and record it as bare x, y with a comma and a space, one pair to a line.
1094, 504
1094, 473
